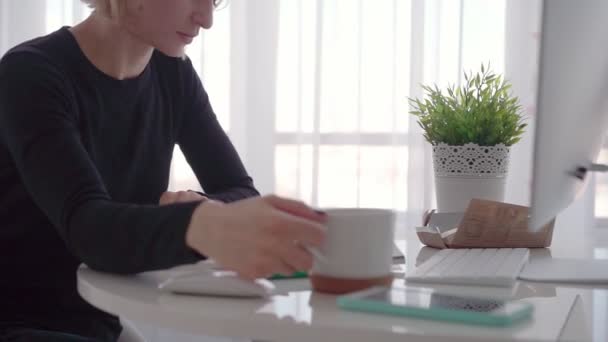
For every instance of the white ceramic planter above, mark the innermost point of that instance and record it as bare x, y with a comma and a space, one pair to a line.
469, 171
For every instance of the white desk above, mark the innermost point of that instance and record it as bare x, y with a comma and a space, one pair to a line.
299, 315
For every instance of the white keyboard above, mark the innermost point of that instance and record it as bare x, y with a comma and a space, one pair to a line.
477, 266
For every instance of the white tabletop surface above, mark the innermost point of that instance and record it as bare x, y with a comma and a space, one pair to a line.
297, 314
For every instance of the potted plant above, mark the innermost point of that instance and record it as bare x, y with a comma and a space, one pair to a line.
471, 128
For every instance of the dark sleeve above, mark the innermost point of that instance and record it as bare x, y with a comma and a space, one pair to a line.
207, 148
39, 128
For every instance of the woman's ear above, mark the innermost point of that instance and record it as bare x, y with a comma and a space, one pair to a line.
104, 7
133, 6
121, 10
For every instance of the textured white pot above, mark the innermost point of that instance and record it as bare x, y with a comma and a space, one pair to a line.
469, 171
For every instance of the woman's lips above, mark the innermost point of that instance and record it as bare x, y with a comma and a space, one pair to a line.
186, 38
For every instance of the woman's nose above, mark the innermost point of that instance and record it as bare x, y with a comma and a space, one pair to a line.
203, 15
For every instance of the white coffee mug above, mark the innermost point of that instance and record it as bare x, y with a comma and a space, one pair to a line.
358, 245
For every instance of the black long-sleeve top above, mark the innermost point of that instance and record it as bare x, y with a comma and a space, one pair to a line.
84, 159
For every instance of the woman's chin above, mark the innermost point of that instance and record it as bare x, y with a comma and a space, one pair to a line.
173, 51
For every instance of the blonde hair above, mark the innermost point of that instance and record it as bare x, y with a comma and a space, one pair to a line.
106, 3
103, 6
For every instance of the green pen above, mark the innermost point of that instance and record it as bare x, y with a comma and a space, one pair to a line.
295, 275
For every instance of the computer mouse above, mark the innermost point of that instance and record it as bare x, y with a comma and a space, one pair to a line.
217, 283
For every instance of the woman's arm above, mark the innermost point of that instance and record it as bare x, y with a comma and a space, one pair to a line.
207, 148
254, 236
40, 130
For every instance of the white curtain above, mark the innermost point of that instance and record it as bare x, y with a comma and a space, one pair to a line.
314, 93
318, 107
342, 135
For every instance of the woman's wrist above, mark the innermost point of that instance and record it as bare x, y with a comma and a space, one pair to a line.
202, 224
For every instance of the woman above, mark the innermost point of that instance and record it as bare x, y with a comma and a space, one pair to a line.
89, 117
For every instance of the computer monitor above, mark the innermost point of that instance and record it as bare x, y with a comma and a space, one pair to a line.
572, 103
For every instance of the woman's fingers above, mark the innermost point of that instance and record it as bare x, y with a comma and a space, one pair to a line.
167, 198
295, 208
266, 268
180, 197
293, 228
256, 237
297, 257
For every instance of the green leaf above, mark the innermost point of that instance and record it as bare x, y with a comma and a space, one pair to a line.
482, 110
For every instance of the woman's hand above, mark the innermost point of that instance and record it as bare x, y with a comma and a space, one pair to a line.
257, 237
180, 197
